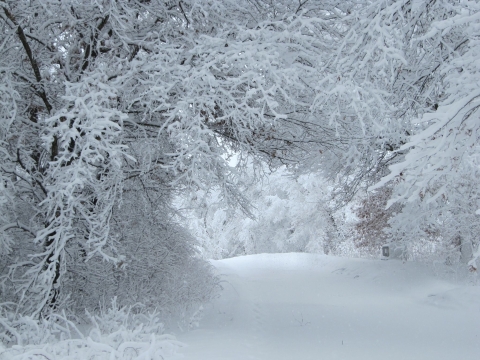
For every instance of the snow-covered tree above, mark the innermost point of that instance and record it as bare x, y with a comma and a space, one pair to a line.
105, 99
405, 73
290, 214
438, 174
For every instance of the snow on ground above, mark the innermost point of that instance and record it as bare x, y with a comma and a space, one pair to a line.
305, 306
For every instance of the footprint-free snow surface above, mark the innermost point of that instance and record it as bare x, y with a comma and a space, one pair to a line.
304, 306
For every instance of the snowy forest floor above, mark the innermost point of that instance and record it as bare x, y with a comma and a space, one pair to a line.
305, 306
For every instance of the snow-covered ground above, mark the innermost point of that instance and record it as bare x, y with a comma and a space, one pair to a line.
300, 307
304, 306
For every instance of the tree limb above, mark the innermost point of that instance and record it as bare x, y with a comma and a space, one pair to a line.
33, 62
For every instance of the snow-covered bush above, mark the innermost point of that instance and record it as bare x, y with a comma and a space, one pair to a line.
158, 265
373, 220
115, 333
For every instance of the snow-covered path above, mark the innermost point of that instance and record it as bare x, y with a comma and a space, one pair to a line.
303, 306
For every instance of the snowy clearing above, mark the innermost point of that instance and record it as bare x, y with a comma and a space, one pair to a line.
305, 306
